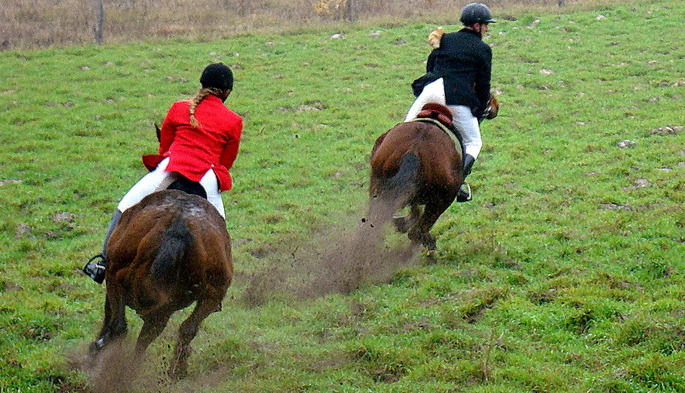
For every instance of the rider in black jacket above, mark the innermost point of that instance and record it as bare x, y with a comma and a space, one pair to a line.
458, 76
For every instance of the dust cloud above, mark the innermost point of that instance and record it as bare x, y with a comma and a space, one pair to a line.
340, 260
114, 369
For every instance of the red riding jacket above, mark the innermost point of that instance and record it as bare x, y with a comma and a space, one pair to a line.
193, 152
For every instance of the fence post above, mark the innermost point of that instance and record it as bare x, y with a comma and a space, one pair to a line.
351, 10
99, 21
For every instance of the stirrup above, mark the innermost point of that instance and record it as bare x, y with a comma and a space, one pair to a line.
95, 268
464, 193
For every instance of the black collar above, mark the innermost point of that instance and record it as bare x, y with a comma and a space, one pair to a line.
465, 30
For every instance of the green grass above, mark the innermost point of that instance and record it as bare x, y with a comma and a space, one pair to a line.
565, 274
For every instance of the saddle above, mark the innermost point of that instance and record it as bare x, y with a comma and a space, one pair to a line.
188, 186
441, 116
439, 112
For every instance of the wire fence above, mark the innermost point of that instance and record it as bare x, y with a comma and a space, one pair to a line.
26, 24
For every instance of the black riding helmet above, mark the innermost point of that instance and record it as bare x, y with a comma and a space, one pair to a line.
217, 75
476, 13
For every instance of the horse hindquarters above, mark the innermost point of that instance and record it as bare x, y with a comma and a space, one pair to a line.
207, 245
169, 250
428, 172
408, 187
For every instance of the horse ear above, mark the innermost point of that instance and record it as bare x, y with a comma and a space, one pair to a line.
493, 108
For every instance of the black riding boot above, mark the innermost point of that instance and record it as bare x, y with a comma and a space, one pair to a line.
464, 193
95, 268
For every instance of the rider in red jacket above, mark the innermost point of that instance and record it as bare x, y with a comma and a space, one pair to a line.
199, 141
194, 151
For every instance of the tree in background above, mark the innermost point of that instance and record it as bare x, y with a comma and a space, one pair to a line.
343, 9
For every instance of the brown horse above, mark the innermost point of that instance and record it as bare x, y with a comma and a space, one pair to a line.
167, 252
416, 164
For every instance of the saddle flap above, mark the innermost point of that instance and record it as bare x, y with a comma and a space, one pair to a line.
439, 112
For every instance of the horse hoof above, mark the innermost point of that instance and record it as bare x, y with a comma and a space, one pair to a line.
400, 224
429, 243
96, 346
425, 239
177, 374
430, 247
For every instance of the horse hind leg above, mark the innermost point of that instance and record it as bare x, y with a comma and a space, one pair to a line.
153, 326
402, 223
187, 331
420, 231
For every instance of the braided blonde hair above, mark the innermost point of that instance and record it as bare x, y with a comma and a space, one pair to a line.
201, 94
435, 37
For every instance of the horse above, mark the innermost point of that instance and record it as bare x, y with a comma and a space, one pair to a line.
417, 164
167, 252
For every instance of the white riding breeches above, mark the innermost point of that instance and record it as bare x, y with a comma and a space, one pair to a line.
463, 119
159, 179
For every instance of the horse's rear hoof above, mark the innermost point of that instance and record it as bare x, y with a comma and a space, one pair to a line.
176, 373
430, 245
95, 347
401, 224
423, 238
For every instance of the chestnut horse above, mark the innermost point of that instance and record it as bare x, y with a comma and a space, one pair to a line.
417, 163
167, 252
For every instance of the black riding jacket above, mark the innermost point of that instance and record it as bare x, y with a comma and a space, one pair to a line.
464, 62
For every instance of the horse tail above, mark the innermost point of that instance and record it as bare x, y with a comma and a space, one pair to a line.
174, 244
401, 188
397, 191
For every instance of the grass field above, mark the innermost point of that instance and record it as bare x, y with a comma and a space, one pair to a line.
565, 274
